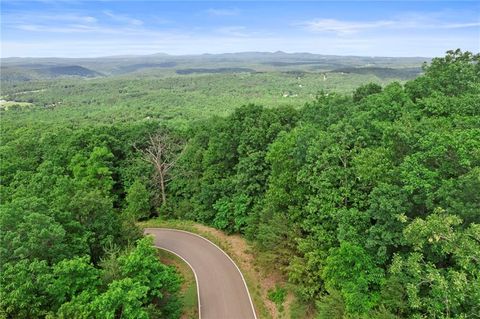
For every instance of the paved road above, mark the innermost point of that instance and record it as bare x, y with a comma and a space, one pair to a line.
222, 290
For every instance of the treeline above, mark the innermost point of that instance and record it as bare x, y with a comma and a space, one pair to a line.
68, 244
370, 204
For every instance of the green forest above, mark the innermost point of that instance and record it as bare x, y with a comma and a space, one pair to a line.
368, 202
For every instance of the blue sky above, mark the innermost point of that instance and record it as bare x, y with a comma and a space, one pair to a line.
102, 28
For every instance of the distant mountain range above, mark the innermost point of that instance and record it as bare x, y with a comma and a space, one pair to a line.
27, 69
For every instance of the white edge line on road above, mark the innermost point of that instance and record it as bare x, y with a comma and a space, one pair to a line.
194, 273
241, 275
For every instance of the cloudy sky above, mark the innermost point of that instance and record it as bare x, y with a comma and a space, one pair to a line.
102, 28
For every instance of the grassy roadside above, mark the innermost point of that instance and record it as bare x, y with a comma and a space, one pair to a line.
261, 279
189, 286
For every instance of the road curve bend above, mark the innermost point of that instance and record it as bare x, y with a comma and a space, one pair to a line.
221, 288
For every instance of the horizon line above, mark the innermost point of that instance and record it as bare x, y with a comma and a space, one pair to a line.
207, 53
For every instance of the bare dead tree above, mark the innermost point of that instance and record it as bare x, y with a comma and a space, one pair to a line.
162, 152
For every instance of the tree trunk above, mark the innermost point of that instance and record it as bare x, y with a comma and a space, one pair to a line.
161, 153
162, 189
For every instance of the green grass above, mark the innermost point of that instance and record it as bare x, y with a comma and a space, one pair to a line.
6, 105
300, 310
169, 223
189, 286
277, 295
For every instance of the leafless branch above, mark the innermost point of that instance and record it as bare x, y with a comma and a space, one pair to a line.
161, 153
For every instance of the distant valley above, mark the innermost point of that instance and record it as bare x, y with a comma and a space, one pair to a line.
29, 69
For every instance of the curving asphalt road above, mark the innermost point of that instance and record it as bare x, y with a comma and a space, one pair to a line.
221, 288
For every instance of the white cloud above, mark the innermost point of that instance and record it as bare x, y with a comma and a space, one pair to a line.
71, 28
76, 34
187, 43
71, 22
222, 12
343, 27
123, 18
61, 17
459, 25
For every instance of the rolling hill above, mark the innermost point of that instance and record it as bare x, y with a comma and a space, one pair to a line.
26, 69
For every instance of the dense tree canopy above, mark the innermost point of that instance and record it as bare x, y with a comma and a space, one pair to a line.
67, 248
370, 204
